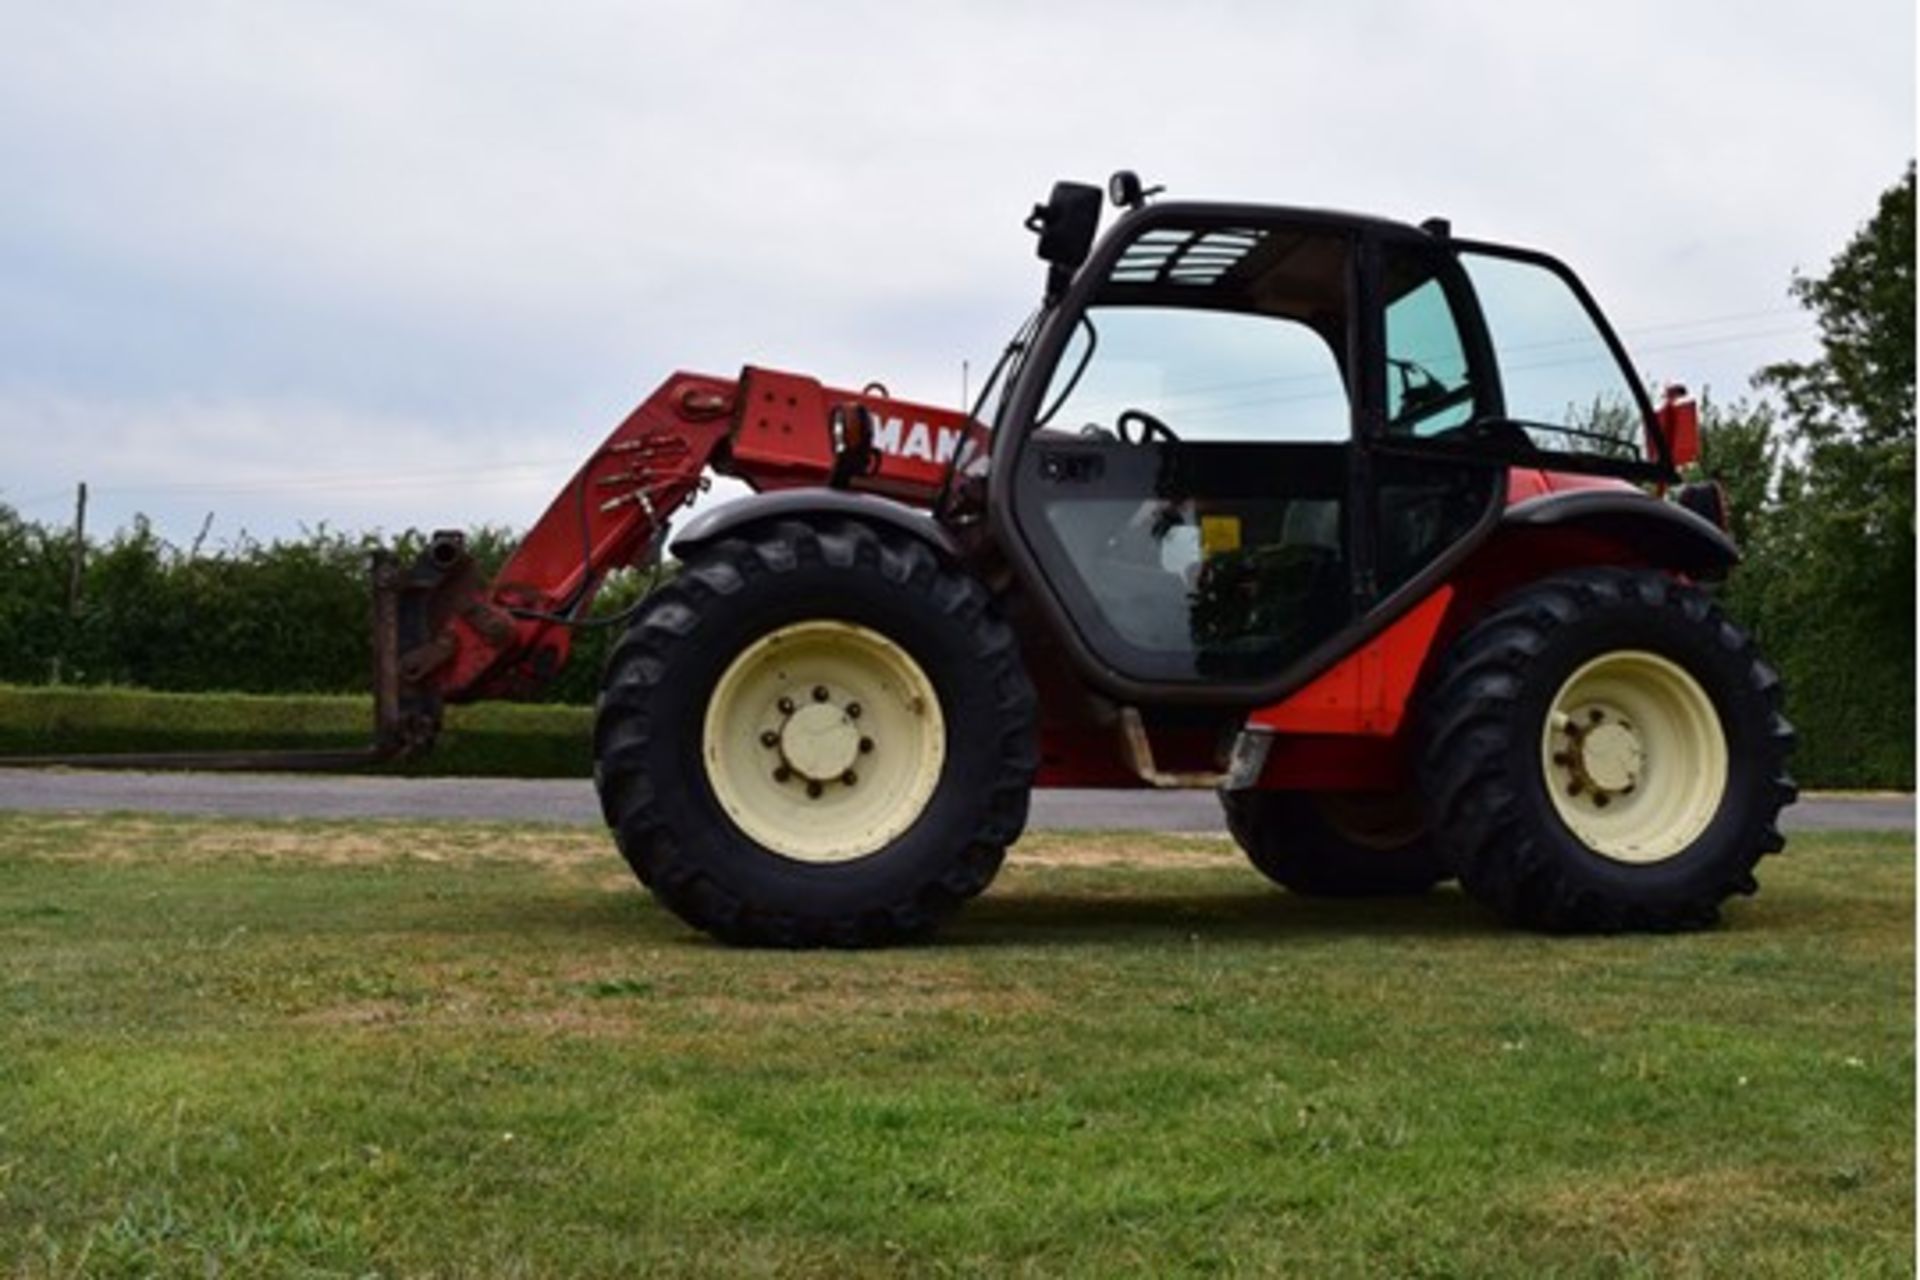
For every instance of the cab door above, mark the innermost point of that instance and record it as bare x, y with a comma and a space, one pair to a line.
1184, 481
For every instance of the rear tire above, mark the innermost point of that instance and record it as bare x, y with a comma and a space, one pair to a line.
1335, 845
815, 820
1606, 752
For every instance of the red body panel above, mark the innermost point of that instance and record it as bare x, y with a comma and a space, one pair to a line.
783, 440
1367, 692
1531, 482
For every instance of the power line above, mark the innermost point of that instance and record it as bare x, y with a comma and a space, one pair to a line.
1729, 318
35, 500
1796, 331
338, 480
496, 472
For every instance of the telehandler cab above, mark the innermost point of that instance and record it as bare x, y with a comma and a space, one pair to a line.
1362, 523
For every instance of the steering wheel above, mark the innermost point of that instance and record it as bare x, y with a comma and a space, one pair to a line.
1151, 428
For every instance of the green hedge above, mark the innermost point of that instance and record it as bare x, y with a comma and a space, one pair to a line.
281, 617
501, 740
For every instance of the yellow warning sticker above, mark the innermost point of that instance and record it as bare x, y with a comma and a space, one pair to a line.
1219, 534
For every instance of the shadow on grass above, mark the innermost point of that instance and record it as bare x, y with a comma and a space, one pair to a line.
629, 917
1024, 919
1047, 919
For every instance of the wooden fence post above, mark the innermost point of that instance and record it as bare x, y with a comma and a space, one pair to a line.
76, 566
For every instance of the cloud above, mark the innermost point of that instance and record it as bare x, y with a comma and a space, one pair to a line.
269, 465
484, 231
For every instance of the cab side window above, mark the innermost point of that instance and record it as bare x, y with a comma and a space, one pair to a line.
1423, 506
1429, 385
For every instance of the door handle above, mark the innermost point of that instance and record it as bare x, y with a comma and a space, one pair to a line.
1071, 468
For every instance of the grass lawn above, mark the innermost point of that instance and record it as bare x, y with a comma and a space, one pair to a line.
351, 1048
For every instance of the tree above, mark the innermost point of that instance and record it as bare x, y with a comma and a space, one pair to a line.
1851, 411
1860, 390
1836, 593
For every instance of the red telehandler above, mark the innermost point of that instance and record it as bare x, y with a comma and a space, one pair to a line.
1367, 525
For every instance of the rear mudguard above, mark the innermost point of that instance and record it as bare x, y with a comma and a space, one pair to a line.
1653, 531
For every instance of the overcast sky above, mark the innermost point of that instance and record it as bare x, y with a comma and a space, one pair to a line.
397, 263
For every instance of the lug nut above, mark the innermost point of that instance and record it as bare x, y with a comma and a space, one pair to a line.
866, 745
819, 693
782, 773
768, 738
1596, 715
786, 706
849, 777
1602, 799
813, 790
1574, 788
1559, 757
853, 711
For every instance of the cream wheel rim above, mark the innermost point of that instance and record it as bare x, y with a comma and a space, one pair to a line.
1634, 757
823, 741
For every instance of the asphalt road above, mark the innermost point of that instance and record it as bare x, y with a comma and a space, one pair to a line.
572, 801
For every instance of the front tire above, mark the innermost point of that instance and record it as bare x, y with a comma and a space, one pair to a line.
1606, 752
815, 735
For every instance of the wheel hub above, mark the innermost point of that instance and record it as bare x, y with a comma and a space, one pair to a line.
820, 742
1602, 756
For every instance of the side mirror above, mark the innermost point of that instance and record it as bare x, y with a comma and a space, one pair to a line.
1066, 225
1678, 418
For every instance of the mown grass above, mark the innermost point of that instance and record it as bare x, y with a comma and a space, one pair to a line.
316, 1049
493, 739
